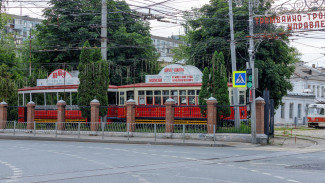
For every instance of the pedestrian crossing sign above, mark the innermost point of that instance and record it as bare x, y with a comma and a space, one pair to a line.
239, 79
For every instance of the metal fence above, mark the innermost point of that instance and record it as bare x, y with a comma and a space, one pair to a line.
108, 130
226, 119
150, 114
190, 114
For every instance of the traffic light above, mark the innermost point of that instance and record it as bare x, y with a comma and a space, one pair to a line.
249, 78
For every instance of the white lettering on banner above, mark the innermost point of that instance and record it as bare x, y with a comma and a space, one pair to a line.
58, 77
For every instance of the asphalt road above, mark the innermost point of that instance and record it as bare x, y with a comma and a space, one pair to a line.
72, 162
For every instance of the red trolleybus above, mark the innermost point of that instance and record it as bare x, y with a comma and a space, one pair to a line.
316, 115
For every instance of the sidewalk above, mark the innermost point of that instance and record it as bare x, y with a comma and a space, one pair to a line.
126, 140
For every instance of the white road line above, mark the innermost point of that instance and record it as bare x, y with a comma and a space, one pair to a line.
290, 180
243, 168
279, 177
266, 174
17, 173
254, 170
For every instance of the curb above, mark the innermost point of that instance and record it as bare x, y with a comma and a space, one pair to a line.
110, 141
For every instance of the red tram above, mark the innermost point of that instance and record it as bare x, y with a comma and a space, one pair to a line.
183, 87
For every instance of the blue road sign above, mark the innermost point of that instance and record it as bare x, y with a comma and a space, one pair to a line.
239, 79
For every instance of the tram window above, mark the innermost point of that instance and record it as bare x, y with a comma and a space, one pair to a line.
142, 100
140, 92
149, 100
241, 97
149, 92
197, 92
164, 99
191, 100
321, 112
182, 92
176, 100
157, 92
174, 92
165, 92
183, 100
157, 100
191, 92
122, 100
121, 93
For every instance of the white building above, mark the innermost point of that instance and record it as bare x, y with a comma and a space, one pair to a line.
308, 88
164, 46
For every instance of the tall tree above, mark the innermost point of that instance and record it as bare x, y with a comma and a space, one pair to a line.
204, 92
70, 23
209, 32
94, 79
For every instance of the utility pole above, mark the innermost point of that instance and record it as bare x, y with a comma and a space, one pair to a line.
104, 30
251, 66
30, 52
233, 64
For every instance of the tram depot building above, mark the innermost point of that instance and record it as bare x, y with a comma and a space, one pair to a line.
182, 83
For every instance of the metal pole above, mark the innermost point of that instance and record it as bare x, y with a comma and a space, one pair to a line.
251, 65
34, 128
56, 129
104, 30
155, 126
14, 127
183, 133
103, 127
78, 129
233, 62
128, 130
214, 134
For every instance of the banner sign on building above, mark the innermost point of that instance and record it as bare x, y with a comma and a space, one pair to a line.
176, 73
58, 77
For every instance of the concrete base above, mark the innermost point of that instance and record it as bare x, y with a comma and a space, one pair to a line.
261, 139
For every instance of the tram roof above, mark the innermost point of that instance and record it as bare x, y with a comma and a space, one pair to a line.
58, 87
143, 85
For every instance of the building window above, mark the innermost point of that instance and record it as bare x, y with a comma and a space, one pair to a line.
282, 110
291, 111
242, 97
299, 110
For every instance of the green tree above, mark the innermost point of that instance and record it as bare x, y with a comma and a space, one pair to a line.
209, 32
219, 84
204, 92
94, 79
70, 23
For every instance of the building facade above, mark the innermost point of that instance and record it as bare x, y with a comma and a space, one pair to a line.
308, 88
21, 26
164, 46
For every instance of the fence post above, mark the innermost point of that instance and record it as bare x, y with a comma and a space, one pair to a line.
170, 115
94, 120
304, 120
15, 127
3, 114
130, 115
56, 129
155, 126
260, 136
211, 114
30, 115
61, 114
183, 133
214, 134
78, 129
34, 128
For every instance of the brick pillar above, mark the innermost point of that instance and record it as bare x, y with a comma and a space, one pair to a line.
130, 114
3, 115
61, 114
30, 115
94, 121
211, 114
260, 115
170, 115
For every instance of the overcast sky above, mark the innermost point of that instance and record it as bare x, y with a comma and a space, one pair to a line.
310, 44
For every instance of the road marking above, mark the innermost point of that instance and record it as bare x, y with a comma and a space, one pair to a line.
290, 180
17, 173
254, 170
266, 174
303, 157
279, 177
243, 168
230, 165
282, 164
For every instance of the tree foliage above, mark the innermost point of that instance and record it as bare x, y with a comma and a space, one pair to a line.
70, 23
209, 31
204, 92
94, 79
